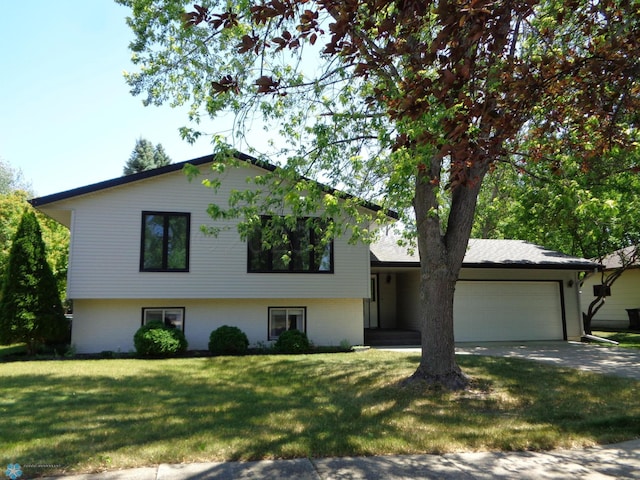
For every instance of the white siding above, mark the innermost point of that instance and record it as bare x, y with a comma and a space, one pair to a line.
100, 325
106, 236
625, 293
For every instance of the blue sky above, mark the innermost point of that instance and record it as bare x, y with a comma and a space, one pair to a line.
67, 118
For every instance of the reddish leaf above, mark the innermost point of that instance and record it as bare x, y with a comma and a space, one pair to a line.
308, 16
361, 69
191, 19
267, 84
281, 42
448, 77
247, 43
226, 84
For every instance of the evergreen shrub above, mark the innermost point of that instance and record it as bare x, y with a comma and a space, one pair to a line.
292, 341
157, 340
227, 340
30, 306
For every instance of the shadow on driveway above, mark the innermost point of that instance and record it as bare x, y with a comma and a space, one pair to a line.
608, 360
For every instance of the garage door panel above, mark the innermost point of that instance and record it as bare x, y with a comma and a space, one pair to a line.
507, 311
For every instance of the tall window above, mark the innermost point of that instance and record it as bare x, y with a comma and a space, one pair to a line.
278, 248
171, 317
165, 242
282, 319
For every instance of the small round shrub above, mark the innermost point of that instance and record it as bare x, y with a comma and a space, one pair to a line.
292, 341
227, 340
157, 340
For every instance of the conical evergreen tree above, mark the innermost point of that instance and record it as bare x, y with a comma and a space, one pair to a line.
160, 157
30, 306
145, 157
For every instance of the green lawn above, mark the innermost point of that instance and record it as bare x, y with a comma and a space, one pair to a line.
106, 414
626, 339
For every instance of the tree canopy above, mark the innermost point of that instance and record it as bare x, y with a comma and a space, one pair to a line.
13, 202
146, 157
11, 179
407, 103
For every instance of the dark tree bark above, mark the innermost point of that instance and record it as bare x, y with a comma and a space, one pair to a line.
441, 256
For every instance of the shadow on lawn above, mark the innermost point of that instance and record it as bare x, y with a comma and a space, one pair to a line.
231, 408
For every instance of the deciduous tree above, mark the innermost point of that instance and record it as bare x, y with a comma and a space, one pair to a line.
408, 103
11, 179
14, 192
590, 212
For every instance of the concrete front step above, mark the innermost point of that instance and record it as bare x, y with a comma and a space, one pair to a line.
388, 337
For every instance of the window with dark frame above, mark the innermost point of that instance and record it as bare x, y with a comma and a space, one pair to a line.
304, 249
169, 316
282, 319
165, 242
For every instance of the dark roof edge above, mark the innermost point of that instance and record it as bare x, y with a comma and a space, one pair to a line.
174, 167
579, 267
509, 266
116, 182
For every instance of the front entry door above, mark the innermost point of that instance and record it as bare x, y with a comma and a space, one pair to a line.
371, 310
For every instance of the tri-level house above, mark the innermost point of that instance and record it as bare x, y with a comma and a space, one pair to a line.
138, 254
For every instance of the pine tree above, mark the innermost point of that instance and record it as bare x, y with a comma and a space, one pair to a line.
145, 157
30, 306
160, 157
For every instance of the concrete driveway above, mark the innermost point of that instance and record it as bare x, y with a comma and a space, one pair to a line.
609, 360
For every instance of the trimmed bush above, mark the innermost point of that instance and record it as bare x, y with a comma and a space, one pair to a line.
157, 340
292, 341
227, 340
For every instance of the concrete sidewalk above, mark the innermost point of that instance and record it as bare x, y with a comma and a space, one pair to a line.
621, 461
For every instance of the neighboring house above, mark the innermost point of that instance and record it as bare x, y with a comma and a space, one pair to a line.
137, 253
624, 294
508, 290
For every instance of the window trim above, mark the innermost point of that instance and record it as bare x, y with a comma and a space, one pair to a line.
287, 308
269, 268
146, 309
166, 216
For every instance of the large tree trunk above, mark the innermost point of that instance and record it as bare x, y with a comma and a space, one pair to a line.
441, 256
438, 365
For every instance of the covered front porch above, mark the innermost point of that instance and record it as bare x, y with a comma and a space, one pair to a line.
391, 316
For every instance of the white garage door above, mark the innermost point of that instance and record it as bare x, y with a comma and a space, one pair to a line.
506, 311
